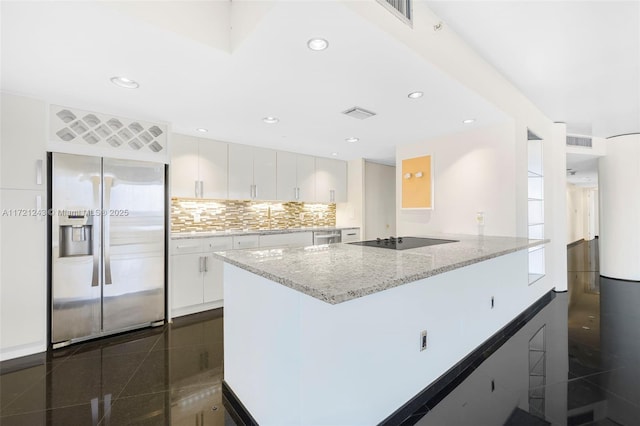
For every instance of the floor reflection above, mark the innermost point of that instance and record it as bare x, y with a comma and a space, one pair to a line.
171, 375
574, 363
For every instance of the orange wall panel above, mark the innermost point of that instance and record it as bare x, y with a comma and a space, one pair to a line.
417, 192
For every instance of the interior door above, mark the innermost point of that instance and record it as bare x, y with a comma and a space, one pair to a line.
75, 279
133, 265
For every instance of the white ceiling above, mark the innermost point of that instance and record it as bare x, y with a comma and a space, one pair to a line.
195, 72
577, 61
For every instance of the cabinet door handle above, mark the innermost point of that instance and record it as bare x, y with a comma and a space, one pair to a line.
332, 195
200, 264
255, 191
295, 193
206, 268
197, 189
351, 235
182, 247
39, 207
201, 189
39, 172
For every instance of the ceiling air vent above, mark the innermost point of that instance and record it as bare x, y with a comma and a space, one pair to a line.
579, 141
359, 113
400, 8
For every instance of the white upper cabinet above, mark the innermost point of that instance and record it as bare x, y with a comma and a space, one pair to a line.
198, 167
252, 173
264, 174
202, 168
296, 177
287, 189
306, 174
213, 169
23, 143
240, 172
331, 180
184, 166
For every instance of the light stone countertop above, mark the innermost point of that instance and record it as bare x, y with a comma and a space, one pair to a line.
206, 234
336, 273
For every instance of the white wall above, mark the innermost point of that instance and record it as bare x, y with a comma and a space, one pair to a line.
380, 196
473, 171
448, 51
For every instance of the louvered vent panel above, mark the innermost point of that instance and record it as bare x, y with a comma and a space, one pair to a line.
107, 131
579, 141
401, 8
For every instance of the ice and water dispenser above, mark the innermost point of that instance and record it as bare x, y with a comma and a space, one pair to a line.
76, 235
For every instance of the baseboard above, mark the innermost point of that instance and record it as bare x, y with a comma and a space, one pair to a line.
235, 408
22, 350
188, 310
575, 243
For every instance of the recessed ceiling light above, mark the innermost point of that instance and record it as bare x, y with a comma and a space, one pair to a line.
317, 44
415, 95
270, 120
351, 140
469, 120
125, 82
201, 130
335, 154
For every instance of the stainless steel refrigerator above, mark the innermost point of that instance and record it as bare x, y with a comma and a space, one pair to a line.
107, 246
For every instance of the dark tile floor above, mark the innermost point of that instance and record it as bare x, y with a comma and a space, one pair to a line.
591, 371
574, 363
168, 375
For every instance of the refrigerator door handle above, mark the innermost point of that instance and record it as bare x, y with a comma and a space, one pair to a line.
95, 276
106, 229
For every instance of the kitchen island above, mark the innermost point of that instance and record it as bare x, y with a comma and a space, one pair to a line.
332, 334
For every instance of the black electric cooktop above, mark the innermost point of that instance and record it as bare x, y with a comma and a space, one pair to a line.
402, 243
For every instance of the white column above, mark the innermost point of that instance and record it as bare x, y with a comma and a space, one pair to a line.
619, 181
556, 206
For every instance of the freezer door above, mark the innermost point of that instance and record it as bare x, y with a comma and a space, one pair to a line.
75, 247
133, 263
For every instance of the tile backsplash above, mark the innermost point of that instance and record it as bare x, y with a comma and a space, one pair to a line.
195, 214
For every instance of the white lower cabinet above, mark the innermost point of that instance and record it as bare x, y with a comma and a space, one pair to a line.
187, 280
213, 280
294, 239
350, 235
246, 241
196, 276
